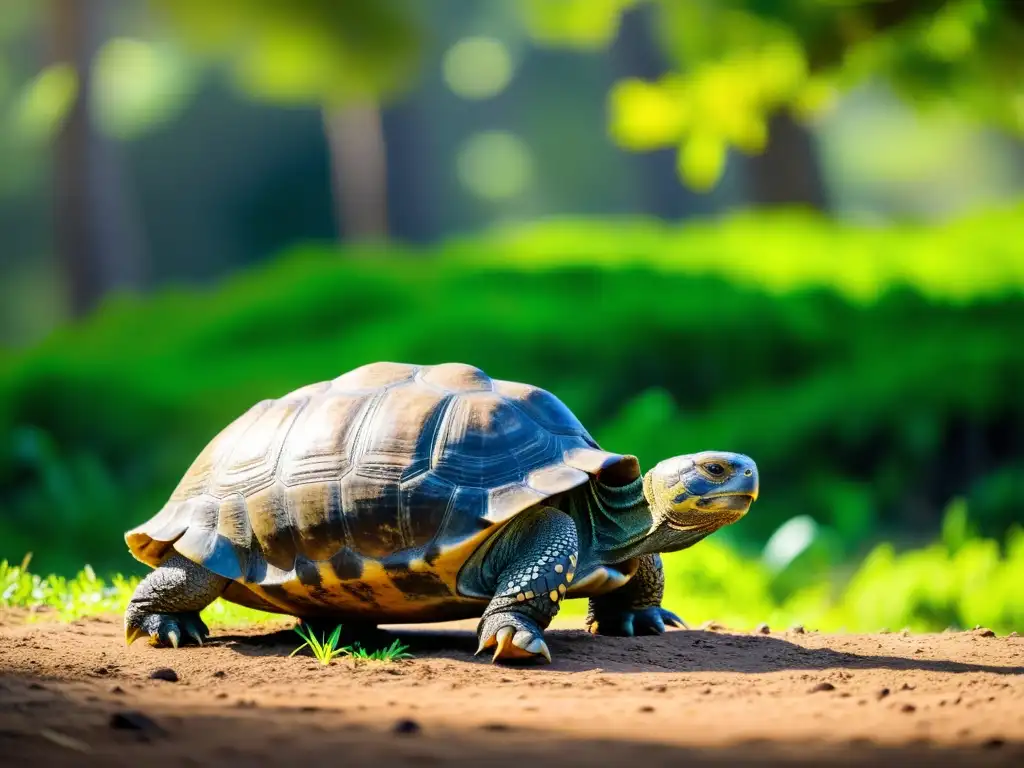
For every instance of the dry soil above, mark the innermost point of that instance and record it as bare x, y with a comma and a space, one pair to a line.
72, 694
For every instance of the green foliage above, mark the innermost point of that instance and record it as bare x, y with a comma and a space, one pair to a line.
783, 252
867, 410
305, 51
86, 594
69, 599
736, 62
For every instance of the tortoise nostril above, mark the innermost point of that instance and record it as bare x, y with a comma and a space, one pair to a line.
749, 472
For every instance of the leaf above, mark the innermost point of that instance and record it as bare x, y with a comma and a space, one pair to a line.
702, 160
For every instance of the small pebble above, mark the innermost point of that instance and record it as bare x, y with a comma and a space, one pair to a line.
822, 687
646, 708
908, 708
711, 625
763, 629
220, 673
495, 727
101, 671
164, 673
906, 687
133, 720
221, 695
1013, 634
407, 727
995, 743
985, 632
798, 629
117, 689
883, 693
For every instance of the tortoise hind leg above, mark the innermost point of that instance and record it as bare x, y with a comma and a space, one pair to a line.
166, 604
533, 560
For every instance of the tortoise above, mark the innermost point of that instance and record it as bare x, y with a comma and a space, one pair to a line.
401, 493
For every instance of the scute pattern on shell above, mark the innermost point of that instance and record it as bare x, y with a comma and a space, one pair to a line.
386, 460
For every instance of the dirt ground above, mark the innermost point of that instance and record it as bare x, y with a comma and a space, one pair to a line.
72, 694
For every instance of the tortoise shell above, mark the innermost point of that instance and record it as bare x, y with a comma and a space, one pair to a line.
367, 493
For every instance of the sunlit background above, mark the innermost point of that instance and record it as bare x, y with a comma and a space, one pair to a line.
791, 229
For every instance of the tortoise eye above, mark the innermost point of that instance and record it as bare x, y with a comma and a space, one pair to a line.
716, 470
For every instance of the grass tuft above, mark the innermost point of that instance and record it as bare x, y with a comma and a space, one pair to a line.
394, 652
326, 649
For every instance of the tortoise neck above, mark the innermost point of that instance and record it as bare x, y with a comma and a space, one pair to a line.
620, 520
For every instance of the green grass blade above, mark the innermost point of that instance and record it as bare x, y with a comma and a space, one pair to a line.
304, 645
332, 642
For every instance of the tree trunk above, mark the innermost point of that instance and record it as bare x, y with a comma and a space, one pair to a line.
355, 140
93, 231
787, 172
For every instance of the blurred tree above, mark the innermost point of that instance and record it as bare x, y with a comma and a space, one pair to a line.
745, 69
344, 55
93, 227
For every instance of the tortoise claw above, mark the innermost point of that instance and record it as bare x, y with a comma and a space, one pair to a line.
131, 634
165, 629
516, 638
538, 646
504, 642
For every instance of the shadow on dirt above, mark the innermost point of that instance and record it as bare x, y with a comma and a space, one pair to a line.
675, 651
40, 724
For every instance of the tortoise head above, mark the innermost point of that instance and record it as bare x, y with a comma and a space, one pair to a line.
695, 495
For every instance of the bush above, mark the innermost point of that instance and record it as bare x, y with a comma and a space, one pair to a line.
867, 407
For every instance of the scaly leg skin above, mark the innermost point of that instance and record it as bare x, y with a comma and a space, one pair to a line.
534, 560
166, 604
635, 607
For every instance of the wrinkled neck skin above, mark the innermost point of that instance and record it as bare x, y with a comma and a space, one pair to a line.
615, 524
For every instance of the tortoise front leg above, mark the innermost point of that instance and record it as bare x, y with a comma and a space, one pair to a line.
534, 559
635, 607
166, 604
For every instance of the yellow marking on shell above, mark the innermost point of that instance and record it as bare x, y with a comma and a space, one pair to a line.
390, 603
553, 594
530, 595
561, 589
559, 568
569, 576
520, 597
572, 559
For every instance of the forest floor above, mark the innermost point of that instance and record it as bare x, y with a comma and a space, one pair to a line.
73, 694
